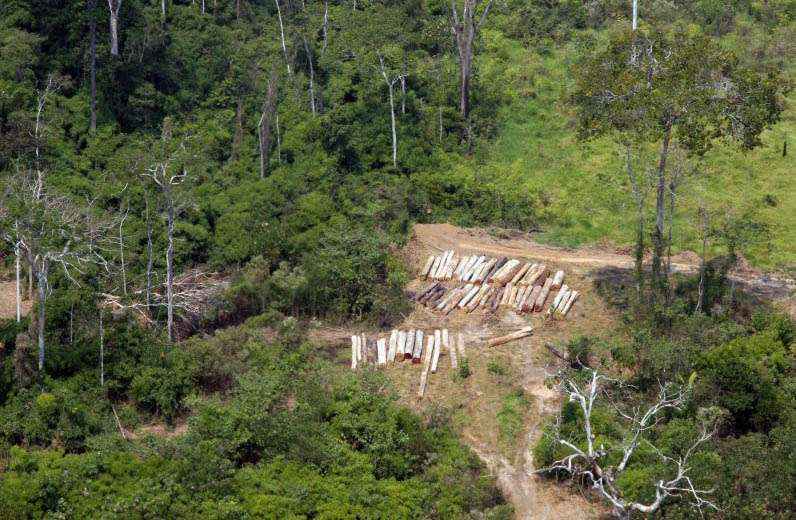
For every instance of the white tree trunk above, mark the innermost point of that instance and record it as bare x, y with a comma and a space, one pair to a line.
635, 14
312, 75
102, 350
41, 280
282, 33
121, 254
18, 288
114, 6
170, 272
392, 123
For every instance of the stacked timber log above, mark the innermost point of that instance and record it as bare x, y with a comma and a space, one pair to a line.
412, 344
487, 284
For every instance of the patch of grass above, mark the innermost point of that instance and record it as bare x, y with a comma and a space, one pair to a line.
511, 416
583, 193
463, 371
497, 368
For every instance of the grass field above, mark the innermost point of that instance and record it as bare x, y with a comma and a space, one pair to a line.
583, 188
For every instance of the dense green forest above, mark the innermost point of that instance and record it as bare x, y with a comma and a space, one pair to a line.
281, 151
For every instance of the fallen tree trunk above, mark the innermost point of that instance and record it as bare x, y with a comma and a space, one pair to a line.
462, 264
381, 351
427, 267
417, 348
527, 305
354, 353
539, 304
450, 348
410, 342
558, 279
521, 272
570, 301
437, 349
526, 331
426, 366
393, 346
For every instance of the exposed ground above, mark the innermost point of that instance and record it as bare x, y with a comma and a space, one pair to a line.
8, 303
475, 403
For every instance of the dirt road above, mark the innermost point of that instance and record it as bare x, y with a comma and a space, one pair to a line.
435, 237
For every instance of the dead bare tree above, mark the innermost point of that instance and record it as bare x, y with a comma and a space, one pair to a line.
465, 28
113, 8
586, 460
390, 80
92, 4
168, 171
264, 125
282, 35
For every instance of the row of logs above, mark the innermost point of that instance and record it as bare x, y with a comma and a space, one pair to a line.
526, 291
412, 345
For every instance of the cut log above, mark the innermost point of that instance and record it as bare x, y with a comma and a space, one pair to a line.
484, 302
522, 293
469, 296
506, 294
523, 332
527, 305
427, 267
470, 274
393, 346
562, 293
410, 342
381, 351
496, 299
427, 293
418, 338
456, 296
570, 301
495, 268
506, 273
436, 297
473, 303
520, 273
426, 366
480, 277
363, 350
447, 341
447, 257
462, 347
513, 295
558, 279
500, 270
458, 272
437, 349
444, 300
417, 349
353, 352
538, 277
464, 268
539, 302
401, 342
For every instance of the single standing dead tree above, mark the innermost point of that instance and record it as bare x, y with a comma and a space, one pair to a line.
92, 4
264, 125
465, 28
590, 462
113, 7
282, 35
390, 81
168, 172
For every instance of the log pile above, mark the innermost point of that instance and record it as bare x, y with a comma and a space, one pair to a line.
488, 283
408, 345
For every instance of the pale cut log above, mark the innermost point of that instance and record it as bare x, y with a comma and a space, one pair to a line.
530, 299
466, 267
562, 302
353, 353
539, 304
538, 277
447, 257
456, 295
437, 349
482, 273
484, 300
495, 268
531, 274
393, 346
558, 279
522, 293
513, 295
497, 299
462, 347
523, 332
401, 342
418, 338
434, 266
506, 294
520, 273
436, 297
469, 296
477, 298
450, 348
570, 301
410, 341
426, 366
476, 267
444, 300
417, 349
509, 274
427, 267
557, 299
428, 352
504, 270
381, 351
458, 272
449, 268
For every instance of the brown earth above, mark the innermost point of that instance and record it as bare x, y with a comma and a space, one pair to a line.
8, 302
